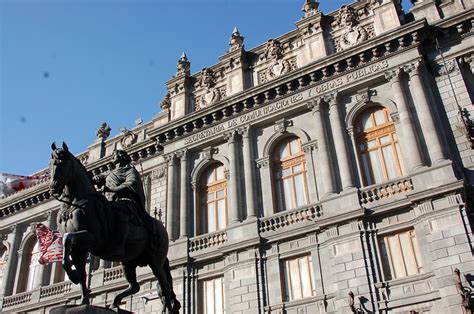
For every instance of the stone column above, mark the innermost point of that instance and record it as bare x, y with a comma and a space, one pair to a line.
14, 238
426, 114
248, 172
183, 202
326, 179
266, 177
412, 155
339, 137
313, 191
170, 196
230, 137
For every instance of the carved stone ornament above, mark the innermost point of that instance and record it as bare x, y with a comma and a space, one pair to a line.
354, 34
166, 102
263, 162
103, 132
159, 172
236, 41
281, 125
211, 94
274, 53
470, 61
183, 66
128, 138
444, 69
365, 95
84, 159
209, 152
310, 7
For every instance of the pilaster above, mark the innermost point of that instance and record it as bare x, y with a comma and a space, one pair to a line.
426, 114
231, 138
171, 202
248, 171
340, 143
326, 170
405, 127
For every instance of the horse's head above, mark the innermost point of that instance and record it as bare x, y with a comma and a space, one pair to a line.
60, 167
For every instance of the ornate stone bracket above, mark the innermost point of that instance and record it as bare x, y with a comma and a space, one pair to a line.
281, 125
310, 146
365, 95
209, 152
263, 162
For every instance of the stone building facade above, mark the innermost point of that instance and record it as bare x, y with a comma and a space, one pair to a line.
328, 170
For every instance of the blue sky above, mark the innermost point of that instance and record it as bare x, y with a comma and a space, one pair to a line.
67, 66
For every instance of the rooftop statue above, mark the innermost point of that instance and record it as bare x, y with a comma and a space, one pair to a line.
118, 229
104, 131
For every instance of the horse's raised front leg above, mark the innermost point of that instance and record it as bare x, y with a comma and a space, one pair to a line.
129, 270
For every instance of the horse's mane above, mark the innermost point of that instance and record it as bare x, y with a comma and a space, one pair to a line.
82, 166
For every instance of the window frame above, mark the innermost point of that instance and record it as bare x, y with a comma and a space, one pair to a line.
202, 304
287, 277
203, 199
363, 136
388, 260
290, 162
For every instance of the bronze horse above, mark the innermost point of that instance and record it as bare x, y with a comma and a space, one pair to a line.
87, 219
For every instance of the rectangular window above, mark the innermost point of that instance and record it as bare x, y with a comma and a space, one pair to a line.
299, 278
213, 297
400, 255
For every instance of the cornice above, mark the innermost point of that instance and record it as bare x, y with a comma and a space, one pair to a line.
299, 78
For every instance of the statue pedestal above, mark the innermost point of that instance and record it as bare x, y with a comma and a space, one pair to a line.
84, 309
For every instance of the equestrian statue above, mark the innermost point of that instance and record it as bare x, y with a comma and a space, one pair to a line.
114, 229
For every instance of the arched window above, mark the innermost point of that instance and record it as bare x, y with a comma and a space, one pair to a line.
377, 146
213, 199
30, 266
33, 267
289, 171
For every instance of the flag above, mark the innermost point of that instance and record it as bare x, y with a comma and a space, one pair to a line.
51, 244
11, 183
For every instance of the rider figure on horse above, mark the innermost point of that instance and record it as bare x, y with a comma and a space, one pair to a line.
126, 194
